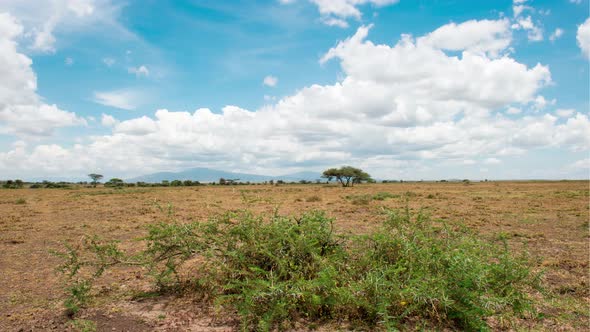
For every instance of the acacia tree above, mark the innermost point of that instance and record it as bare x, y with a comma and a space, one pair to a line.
95, 178
115, 182
346, 175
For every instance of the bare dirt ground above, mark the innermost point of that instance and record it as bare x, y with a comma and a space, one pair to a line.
550, 219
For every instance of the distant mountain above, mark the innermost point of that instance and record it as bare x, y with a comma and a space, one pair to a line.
211, 175
59, 179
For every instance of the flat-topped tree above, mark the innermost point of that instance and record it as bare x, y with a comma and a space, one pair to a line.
115, 182
346, 175
95, 178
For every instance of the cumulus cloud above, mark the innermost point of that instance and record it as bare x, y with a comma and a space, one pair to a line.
513, 110
583, 164
22, 111
347, 8
521, 22
108, 120
270, 81
335, 22
42, 19
485, 36
519, 9
335, 12
583, 37
139, 71
534, 32
565, 113
414, 71
403, 102
123, 99
556, 34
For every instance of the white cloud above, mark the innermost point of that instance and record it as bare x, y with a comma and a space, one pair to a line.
22, 111
583, 37
408, 101
577, 2
574, 133
485, 36
419, 70
139, 71
556, 34
69, 61
335, 12
123, 99
519, 9
108, 120
44, 39
565, 113
534, 32
43, 19
270, 81
540, 102
347, 8
492, 161
137, 127
513, 110
335, 22
583, 164
108, 61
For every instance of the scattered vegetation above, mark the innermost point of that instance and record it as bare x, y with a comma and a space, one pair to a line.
314, 198
364, 199
276, 270
83, 325
383, 195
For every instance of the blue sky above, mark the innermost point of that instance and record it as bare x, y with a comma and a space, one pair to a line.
404, 89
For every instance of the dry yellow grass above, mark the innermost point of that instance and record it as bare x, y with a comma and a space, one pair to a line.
549, 218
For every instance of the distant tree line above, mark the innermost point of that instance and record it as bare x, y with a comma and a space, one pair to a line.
10, 184
119, 183
346, 176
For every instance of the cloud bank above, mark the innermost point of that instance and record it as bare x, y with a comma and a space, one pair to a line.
396, 105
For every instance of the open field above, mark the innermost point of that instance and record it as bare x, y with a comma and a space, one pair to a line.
550, 219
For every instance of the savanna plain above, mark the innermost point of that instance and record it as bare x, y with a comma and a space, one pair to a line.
546, 219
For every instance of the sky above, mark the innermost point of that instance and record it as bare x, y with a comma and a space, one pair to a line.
404, 89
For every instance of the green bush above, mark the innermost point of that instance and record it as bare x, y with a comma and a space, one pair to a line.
277, 270
10, 184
